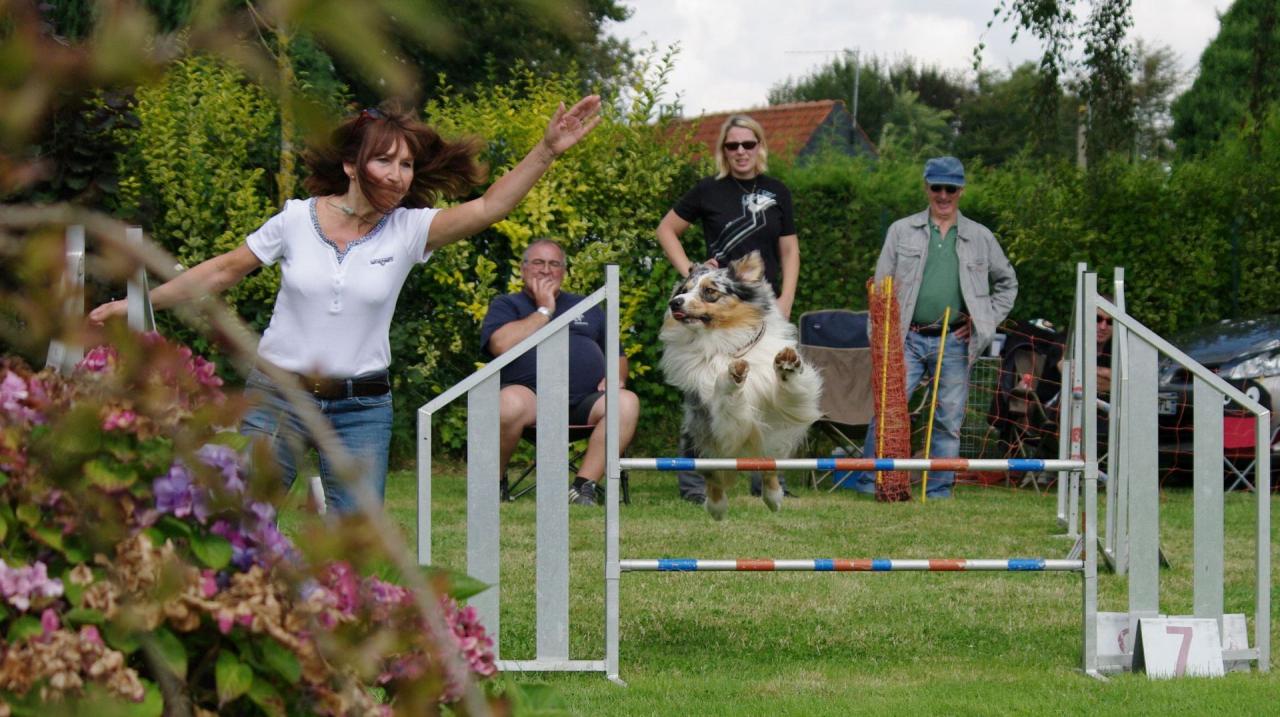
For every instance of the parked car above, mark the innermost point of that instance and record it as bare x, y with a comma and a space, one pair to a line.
1245, 352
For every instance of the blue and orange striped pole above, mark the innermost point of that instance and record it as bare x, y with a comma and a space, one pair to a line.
856, 565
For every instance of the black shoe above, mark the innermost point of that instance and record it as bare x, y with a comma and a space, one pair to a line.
583, 495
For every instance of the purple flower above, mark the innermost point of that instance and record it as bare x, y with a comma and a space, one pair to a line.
227, 461
175, 493
243, 553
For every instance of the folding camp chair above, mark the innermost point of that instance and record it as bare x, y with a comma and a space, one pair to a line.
835, 341
1238, 455
514, 490
1027, 391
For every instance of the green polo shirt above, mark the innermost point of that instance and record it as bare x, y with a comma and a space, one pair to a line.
940, 285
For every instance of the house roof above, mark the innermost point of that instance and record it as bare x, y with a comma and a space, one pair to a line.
788, 128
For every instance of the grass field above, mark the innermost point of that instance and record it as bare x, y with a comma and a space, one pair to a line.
846, 643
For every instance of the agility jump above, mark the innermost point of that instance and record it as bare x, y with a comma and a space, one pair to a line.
552, 626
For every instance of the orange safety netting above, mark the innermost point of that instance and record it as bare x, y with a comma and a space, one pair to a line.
893, 423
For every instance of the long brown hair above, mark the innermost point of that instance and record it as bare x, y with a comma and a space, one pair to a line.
440, 167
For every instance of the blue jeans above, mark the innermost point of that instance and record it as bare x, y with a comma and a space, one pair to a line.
362, 424
921, 357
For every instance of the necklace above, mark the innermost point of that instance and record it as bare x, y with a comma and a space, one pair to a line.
349, 211
755, 180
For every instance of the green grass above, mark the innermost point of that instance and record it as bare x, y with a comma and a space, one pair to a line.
847, 643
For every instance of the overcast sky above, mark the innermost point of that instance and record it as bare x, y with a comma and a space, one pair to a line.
733, 51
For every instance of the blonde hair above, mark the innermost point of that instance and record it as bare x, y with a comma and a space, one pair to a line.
762, 151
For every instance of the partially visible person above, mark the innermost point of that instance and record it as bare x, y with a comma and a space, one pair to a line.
1104, 324
939, 260
344, 254
741, 210
514, 317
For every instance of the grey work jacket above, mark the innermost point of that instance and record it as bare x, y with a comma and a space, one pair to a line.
987, 281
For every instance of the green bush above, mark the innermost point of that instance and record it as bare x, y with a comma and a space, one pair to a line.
197, 173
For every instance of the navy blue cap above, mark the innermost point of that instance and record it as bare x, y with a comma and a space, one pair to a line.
944, 170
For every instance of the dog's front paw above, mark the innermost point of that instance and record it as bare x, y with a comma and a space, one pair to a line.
787, 362
738, 371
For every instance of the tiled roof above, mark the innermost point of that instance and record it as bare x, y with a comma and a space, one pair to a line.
788, 128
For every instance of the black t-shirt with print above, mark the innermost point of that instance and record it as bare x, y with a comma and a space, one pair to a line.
741, 216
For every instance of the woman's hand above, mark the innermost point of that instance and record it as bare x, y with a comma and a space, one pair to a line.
108, 311
567, 127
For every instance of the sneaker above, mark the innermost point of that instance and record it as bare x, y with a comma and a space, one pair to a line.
586, 495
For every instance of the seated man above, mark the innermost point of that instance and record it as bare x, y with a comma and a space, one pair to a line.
514, 317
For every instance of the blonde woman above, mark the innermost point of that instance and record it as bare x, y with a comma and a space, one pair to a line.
741, 210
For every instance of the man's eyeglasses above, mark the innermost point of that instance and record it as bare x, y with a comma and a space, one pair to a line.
544, 264
941, 188
1104, 320
733, 146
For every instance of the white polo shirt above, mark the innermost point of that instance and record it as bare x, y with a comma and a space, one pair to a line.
332, 316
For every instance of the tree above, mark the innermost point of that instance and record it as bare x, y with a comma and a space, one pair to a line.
1102, 75
1155, 81
1001, 120
914, 129
1238, 81
488, 40
879, 85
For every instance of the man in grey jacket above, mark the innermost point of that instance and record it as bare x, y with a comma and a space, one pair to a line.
941, 259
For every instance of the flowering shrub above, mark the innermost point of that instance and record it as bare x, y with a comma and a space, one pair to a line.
141, 565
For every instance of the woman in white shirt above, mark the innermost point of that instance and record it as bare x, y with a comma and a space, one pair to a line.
344, 255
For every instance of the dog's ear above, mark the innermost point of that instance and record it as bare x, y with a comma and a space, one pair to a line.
749, 268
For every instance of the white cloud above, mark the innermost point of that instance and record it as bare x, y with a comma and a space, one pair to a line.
734, 51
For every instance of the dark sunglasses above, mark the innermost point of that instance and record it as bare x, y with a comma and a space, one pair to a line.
733, 146
1105, 320
940, 188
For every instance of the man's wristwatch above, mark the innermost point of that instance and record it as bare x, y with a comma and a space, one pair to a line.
544, 311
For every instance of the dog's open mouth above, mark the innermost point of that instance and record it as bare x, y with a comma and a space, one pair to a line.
686, 318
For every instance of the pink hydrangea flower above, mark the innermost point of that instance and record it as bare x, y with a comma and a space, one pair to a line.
119, 419
90, 635
340, 580
16, 399
49, 622
21, 585
98, 359
470, 637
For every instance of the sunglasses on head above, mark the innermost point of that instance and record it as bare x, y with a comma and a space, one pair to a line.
368, 114
940, 188
733, 146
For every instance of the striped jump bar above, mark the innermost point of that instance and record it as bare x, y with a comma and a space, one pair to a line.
869, 565
1010, 465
